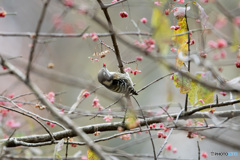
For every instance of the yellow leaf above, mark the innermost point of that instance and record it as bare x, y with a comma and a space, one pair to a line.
162, 33
182, 82
182, 39
91, 155
198, 92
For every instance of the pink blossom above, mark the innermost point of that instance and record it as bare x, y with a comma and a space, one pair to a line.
85, 35
68, 3
160, 134
172, 27
166, 11
12, 124
19, 104
200, 100
189, 123
221, 43
180, 1
86, 94
11, 95
168, 147
144, 20
221, 21
236, 20
84, 158
52, 125
212, 44
157, 3
199, 123
136, 71
95, 38
223, 93
174, 150
124, 14
127, 69
51, 97
126, 137
95, 102
173, 49
198, 20
204, 154
108, 118
161, 125
139, 58
223, 54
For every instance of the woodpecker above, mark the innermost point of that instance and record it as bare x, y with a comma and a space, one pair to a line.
115, 81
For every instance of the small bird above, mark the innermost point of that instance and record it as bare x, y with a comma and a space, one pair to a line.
116, 82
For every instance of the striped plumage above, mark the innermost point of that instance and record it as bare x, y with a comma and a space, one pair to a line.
115, 81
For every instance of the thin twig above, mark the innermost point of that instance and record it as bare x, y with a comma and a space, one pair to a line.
199, 157
154, 82
35, 39
149, 132
189, 62
113, 37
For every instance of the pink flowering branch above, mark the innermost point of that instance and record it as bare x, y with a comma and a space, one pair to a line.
32, 117
64, 119
90, 129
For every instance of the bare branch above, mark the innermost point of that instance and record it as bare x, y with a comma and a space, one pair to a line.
36, 37
113, 37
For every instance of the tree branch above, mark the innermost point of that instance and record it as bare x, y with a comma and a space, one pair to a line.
35, 39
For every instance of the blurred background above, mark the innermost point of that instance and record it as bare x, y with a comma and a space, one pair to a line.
62, 65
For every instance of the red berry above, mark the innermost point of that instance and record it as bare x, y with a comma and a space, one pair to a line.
52, 125
166, 11
154, 125
150, 126
124, 14
223, 93
237, 64
3, 14
48, 123
74, 145
139, 58
144, 20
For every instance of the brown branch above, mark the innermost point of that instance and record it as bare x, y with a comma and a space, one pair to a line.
68, 35
35, 39
102, 127
153, 82
113, 37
